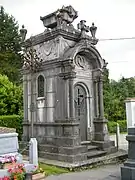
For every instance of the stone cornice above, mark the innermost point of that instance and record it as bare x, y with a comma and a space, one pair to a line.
67, 33
52, 34
68, 75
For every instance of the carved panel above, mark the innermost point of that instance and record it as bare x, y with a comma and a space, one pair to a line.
53, 49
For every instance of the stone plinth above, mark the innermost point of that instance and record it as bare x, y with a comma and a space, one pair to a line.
128, 171
130, 112
64, 144
101, 136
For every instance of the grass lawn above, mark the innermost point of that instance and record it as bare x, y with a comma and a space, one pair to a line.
51, 170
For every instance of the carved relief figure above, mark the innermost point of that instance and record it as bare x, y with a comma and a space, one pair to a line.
66, 15
54, 48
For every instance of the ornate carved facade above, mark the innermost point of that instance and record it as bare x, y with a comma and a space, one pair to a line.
67, 89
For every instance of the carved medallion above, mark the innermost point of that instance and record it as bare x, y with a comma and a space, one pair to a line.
80, 61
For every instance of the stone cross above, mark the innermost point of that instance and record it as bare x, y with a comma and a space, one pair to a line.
33, 152
82, 26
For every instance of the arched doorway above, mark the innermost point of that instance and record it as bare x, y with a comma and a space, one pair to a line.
81, 109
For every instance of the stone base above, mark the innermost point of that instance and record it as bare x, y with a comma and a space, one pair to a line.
108, 146
61, 133
66, 154
101, 136
101, 130
127, 173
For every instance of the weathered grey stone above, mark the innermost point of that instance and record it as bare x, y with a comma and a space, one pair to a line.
71, 109
131, 131
128, 171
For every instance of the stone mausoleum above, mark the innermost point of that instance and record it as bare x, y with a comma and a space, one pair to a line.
63, 90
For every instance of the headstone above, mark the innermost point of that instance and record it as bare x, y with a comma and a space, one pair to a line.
9, 146
130, 112
128, 171
33, 152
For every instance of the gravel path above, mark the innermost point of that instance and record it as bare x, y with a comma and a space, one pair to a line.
109, 172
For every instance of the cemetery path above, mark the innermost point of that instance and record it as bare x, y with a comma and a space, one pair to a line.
109, 172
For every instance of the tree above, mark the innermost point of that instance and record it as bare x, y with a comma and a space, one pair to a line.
10, 97
115, 93
10, 46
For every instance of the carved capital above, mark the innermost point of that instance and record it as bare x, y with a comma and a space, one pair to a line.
68, 75
100, 78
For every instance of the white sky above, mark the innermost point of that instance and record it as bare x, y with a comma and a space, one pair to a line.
114, 19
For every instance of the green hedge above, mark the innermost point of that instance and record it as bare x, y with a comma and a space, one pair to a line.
12, 121
112, 126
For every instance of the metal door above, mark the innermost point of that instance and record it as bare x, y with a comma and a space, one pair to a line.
81, 110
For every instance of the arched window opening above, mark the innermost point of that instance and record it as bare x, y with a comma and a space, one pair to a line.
41, 86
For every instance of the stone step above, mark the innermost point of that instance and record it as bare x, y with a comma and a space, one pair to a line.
85, 142
94, 154
91, 147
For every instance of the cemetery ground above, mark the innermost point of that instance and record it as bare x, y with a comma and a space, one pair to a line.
94, 172
108, 172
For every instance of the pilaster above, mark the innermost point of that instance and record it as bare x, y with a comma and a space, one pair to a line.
71, 96
25, 97
69, 77
100, 96
101, 136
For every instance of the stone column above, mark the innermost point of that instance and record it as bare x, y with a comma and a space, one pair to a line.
66, 109
25, 97
101, 136
71, 98
96, 98
100, 97
25, 135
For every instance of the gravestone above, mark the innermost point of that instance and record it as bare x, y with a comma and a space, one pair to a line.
9, 145
128, 171
9, 148
33, 152
130, 112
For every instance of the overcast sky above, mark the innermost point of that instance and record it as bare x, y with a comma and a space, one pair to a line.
113, 18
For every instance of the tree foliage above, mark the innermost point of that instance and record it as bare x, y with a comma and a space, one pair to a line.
115, 93
10, 59
10, 97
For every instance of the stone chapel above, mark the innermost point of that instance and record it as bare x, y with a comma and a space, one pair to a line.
63, 90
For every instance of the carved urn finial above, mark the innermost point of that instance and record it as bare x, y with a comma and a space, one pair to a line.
82, 26
23, 33
64, 16
93, 30
105, 64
